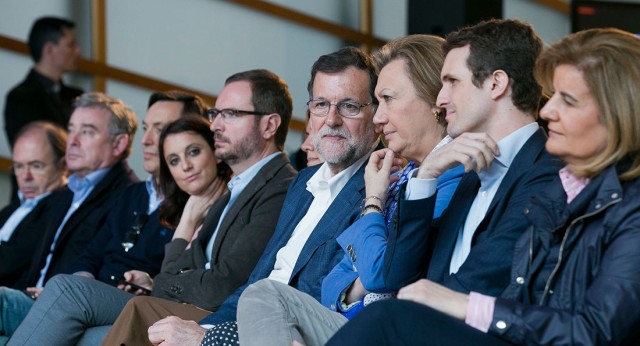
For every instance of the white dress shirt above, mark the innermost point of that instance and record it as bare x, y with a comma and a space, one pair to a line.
324, 187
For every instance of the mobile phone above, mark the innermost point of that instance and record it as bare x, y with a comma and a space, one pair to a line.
29, 294
122, 281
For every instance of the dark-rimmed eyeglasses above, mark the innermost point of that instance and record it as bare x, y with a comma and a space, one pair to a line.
131, 237
347, 109
229, 114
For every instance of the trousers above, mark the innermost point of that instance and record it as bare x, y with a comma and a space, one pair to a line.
272, 313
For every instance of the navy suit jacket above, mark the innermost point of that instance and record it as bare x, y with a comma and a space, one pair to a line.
417, 246
17, 253
105, 256
320, 253
81, 227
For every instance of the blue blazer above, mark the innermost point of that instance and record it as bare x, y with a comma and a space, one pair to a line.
320, 253
365, 243
81, 227
418, 247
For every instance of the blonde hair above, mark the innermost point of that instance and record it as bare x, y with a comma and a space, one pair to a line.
609, 60
423, 59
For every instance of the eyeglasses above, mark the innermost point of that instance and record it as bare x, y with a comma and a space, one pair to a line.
347, 109
35, 167
229, 115
131, 237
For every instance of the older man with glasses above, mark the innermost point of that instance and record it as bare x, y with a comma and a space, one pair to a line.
38, 163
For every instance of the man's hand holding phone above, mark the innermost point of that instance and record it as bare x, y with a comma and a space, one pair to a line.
136, 282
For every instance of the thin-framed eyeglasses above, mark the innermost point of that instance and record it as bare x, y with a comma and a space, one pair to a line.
229, 115
347, 109
35, 167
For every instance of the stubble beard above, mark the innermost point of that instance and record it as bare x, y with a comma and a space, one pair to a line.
343, 153
241, 151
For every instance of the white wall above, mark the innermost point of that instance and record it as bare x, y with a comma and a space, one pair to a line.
549, 24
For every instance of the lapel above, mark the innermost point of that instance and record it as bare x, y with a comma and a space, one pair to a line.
452, 222
456, 214
110, 181
6, 213
263, 176
335, 220
293, 210
522, 163
209, 224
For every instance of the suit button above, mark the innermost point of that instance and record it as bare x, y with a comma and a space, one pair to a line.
349, 248
526, 211
501, 325
520, 280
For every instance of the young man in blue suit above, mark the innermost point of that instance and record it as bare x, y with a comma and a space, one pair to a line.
491, 100
322, 201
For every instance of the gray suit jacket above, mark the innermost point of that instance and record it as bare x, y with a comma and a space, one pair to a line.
241, 239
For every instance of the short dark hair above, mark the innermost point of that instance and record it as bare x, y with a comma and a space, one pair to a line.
56, 136
191, 104
341, 60
269, 94
508, 45
46, 29
175, 199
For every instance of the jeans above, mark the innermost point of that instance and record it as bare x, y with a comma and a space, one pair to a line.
14, 306
68, 305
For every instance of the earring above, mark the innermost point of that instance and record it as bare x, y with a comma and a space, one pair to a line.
437, 113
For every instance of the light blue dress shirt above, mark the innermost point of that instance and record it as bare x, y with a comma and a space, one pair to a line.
26, 206
236, 185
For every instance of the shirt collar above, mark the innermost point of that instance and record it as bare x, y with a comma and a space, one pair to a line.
245, 177
509, 147
31, 201
77, 184
150, 183
324, 179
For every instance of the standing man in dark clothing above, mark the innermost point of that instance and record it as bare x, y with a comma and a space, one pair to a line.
42, 95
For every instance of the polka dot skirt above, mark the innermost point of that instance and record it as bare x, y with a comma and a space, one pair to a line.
225, 334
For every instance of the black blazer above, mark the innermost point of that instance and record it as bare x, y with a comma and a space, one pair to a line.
16, 254
417, 246
29, 101
240, 241
81, 226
